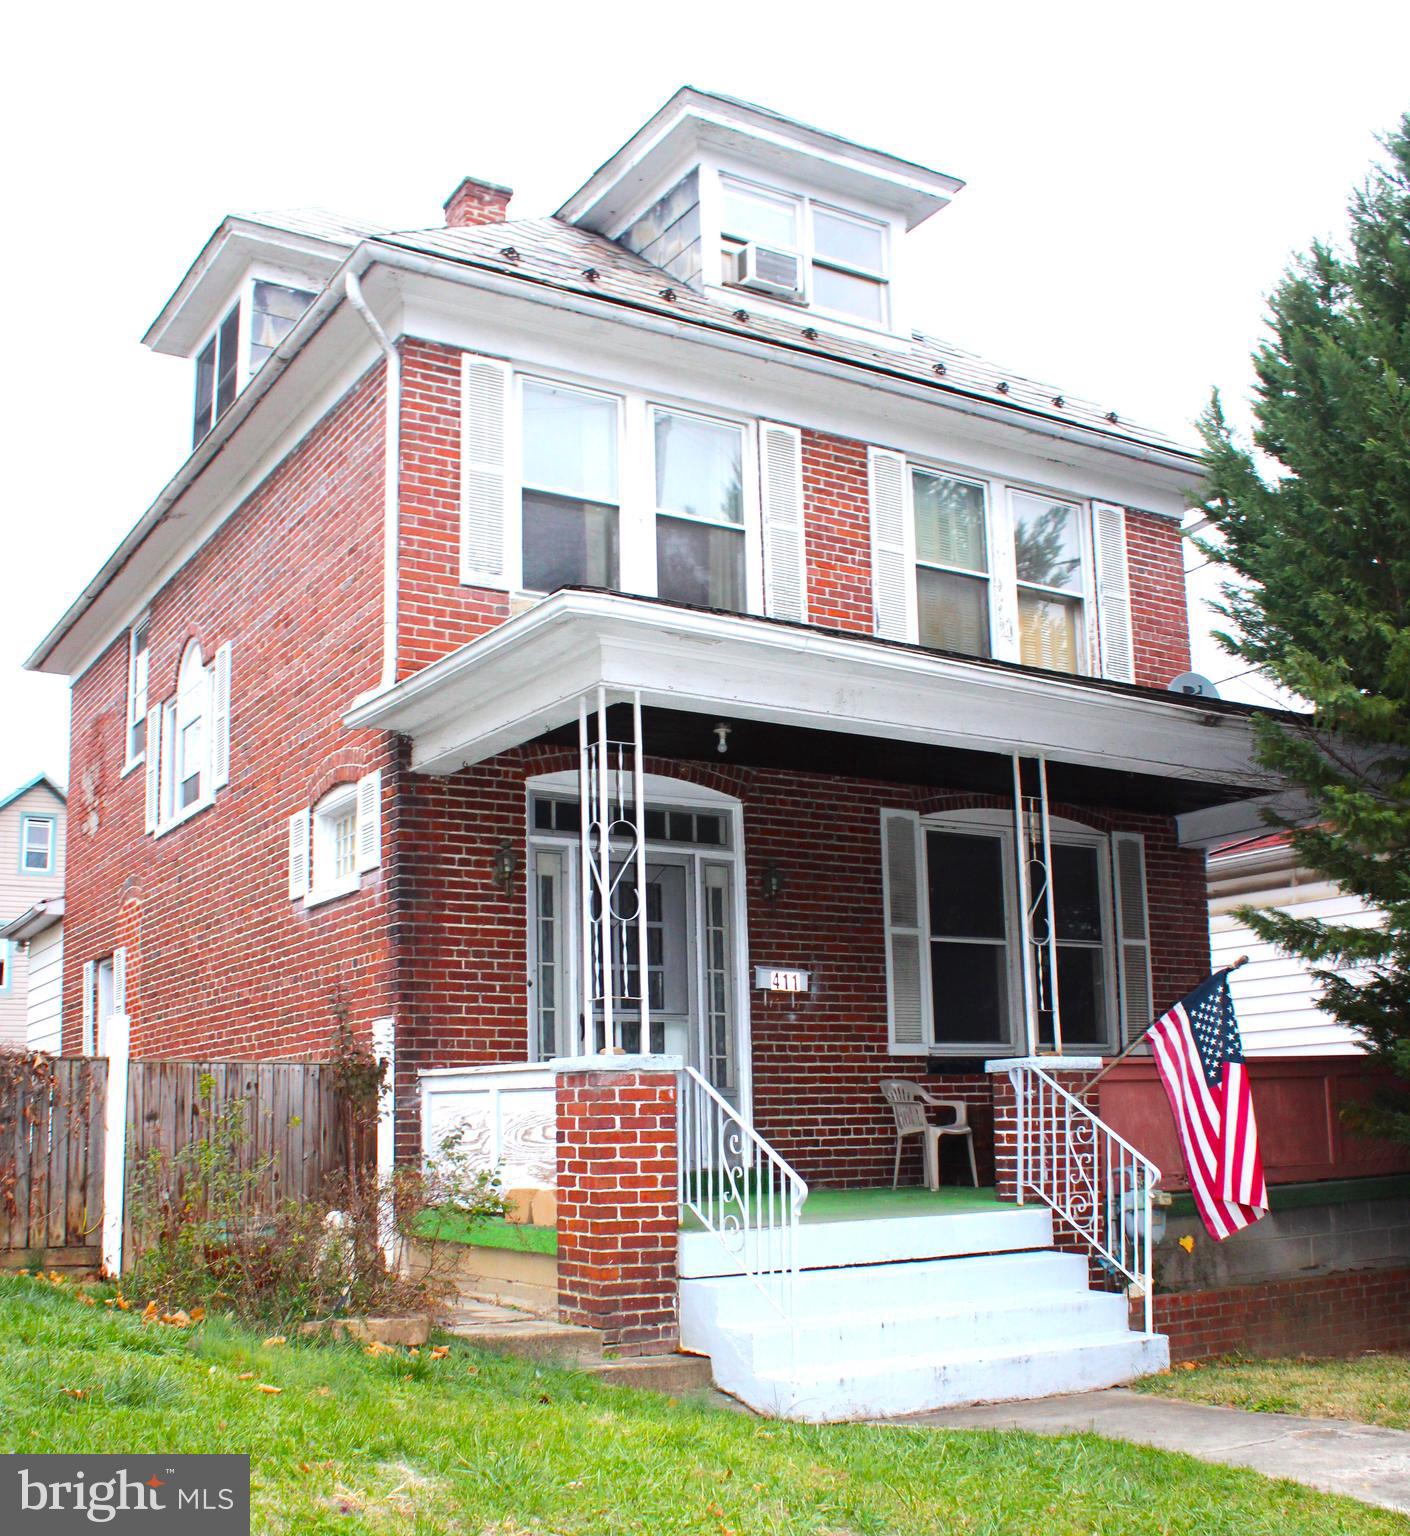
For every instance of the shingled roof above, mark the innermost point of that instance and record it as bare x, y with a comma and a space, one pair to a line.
562, 256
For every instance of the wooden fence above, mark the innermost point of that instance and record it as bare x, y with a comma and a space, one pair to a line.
52, 1144
51, 1164
1298, 1101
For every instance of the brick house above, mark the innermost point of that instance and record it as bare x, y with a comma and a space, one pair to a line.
542, 593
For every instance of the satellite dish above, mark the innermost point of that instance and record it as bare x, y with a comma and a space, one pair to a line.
1193, 684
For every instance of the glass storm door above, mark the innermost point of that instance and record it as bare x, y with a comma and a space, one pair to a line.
691, 965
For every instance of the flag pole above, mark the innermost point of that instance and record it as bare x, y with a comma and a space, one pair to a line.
1133, 1043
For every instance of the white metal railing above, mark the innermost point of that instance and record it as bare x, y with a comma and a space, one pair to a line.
1096, 1182
736, 1186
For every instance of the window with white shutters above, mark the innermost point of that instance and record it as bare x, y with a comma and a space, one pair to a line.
187, 741
907, 980
785, 567
1128, 856
485, 543
336, 842
892, 547
1114, 631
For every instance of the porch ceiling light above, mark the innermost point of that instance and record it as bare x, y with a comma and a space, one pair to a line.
722, 730
506, 865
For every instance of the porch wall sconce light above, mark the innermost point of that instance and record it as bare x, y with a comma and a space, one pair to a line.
772, 882
506, 865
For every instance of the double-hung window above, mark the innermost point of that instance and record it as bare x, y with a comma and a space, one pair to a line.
849, 266
37, 837
839, 259
571, 505
138, 671
217, 374
1047, 538
955, 964
952, 563
700, 538
188, 740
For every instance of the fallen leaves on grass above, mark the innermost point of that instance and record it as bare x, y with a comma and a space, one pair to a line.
264, 1386
274, 1341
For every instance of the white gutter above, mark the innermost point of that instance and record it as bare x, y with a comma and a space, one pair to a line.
596, 306
391, 479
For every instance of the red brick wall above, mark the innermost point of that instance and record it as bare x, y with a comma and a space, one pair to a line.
1337, 1314
817, 1058
436, 613
1159, 620
219, 959
838, 532
618, 1219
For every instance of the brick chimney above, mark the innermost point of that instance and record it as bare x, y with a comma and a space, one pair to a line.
477, 202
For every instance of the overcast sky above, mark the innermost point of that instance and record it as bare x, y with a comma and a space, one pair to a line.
1138, 175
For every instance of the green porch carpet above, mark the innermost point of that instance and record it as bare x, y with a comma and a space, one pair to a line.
880, 1204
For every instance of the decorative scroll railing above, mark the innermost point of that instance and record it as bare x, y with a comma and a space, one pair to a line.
736, 1186
1096, 1182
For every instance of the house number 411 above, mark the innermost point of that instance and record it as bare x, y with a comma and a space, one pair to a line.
768, 978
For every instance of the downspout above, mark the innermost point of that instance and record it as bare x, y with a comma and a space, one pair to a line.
391, 491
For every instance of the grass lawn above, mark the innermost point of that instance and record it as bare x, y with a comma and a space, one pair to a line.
1374, 1389
484, 1447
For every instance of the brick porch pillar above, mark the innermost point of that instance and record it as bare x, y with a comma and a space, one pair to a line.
618, 1210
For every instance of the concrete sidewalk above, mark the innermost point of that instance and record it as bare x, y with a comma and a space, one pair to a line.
1334, 1455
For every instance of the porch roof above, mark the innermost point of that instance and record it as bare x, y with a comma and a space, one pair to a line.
523, 681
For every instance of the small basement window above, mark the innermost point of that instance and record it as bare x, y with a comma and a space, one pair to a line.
335, 843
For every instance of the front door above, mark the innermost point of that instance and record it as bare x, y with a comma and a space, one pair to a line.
692, 965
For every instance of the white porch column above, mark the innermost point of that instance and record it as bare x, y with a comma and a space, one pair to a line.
612, 807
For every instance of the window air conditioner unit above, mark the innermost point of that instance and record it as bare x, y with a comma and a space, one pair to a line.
769, 271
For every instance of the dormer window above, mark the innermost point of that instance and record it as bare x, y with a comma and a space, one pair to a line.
275, 310
794, 248
272, 311
217, 373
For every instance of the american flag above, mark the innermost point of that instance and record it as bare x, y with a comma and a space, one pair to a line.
1200, 1059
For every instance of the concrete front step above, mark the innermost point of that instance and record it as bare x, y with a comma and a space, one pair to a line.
877, 1339
860, 1390
674, 1375
509, 1332
886, 1240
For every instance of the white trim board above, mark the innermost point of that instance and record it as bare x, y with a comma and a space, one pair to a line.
525, 678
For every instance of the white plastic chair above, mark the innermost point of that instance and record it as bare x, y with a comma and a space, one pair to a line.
909, 1103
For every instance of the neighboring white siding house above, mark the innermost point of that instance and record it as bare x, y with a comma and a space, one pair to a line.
45, 953
32, 849
1274, 994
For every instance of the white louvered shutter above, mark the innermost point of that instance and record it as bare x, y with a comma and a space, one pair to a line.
907, 967
120, 981
892, 547
88, 1006
484, 472
220, 718
369, 821
152, 769
1118, 651
785, 554
1128, 856
298, 854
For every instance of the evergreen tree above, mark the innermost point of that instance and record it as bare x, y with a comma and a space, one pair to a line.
1319, 532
